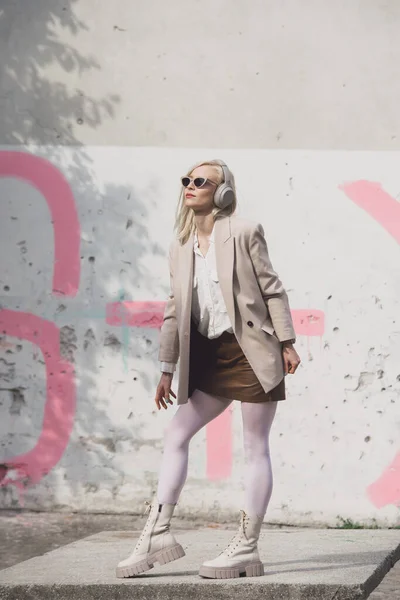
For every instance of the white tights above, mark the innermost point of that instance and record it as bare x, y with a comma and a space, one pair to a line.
200, 409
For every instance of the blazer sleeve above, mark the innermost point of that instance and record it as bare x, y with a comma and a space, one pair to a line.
169, 338
271, 287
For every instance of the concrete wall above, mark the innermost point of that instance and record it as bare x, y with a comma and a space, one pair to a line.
103, 107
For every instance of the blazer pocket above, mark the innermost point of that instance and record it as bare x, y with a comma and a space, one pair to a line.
268, 328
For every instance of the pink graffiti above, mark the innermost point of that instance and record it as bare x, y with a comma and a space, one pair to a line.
135, 314
386, 489
385, 210
219, 446
50, 182
59, 410
370, 196
308, 322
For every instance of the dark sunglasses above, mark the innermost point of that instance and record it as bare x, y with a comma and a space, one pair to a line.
198, 181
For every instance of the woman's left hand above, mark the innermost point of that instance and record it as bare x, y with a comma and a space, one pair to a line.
290, 358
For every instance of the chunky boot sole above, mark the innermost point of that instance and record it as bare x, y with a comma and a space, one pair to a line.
253, 570
161, 557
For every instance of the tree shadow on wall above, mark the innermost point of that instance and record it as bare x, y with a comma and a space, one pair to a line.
42, 115
34, 108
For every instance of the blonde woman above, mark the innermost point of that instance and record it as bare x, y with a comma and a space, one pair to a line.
228, 320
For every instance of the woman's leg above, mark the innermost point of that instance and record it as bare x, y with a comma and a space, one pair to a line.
200, 409
257, 420
241, 557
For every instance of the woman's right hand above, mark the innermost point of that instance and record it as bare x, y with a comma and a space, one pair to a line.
164, 390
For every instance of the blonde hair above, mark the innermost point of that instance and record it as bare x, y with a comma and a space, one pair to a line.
184, 219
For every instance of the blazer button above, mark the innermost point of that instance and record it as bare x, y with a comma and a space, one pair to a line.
250, 323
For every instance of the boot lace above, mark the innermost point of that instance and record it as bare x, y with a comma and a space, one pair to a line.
147, 511
147, 503
234, 543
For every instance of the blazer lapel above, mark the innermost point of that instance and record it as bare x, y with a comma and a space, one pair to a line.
186, 277
224, 255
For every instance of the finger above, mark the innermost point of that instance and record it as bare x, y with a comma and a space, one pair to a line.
162, 402
166, 396
168, 399
286, 366
158, 398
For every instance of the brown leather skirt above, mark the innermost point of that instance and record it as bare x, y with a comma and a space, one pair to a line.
219, 367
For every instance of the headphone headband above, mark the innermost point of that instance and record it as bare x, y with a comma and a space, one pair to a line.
225, 170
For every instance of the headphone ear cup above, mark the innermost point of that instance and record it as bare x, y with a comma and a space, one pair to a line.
224, 195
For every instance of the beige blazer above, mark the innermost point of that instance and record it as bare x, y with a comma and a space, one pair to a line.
256, 302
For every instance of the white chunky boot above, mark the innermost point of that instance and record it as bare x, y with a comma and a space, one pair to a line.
241, 557
156, 543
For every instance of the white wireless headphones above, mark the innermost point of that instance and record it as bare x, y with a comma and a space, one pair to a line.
224, 194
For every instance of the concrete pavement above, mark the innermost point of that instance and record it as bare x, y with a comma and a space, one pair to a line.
299, 563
